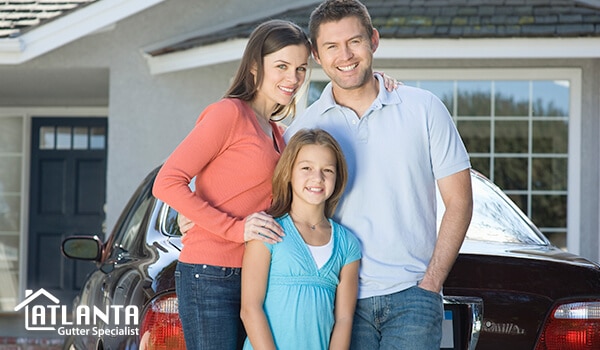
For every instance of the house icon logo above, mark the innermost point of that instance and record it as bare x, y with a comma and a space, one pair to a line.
113, 320
35, 316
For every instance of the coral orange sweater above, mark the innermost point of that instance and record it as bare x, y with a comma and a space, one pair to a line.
233, 161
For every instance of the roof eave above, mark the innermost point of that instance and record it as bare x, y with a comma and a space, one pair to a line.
462, 48
64, 30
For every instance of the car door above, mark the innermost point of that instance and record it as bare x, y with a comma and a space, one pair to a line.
117, 281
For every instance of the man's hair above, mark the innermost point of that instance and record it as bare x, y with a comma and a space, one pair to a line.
282, 177
335, 10
268, 37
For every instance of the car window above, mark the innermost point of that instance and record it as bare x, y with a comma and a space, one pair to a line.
497, 219
169, 225
129, 231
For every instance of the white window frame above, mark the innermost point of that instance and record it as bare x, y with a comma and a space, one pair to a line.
573, 75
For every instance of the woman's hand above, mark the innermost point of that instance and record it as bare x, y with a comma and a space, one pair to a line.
184, 223
389, 82
261, 226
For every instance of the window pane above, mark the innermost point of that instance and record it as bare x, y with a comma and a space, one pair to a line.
474, 98
444, 90
511, 137
97, 138
314, 90
510, 173
80, 137
511, 98
9, 214
520, 200
47, 137
63, 137
550, 136
9, 270
481, 164
549, 174
10, 175
475, 135
549, 210
550, 98
559, 239
11, 134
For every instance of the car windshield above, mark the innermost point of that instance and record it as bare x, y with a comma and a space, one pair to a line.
496, 218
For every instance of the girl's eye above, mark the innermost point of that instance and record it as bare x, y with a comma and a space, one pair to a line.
282, 66
302, 69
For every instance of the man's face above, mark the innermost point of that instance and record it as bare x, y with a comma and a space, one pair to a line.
345, 52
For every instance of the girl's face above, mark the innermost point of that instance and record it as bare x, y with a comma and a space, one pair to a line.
314, 175
284, 73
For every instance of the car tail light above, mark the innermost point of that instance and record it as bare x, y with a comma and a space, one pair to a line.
573, 326
161, 328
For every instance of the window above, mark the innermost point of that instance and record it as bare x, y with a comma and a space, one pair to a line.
11, 175
515, 126
72, 138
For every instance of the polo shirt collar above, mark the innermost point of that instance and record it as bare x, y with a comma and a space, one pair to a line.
384, 97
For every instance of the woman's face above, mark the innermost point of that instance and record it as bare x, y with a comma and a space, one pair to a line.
284, 73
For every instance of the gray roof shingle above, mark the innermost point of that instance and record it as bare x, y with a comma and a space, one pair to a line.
393, 19
446, 19
18, 16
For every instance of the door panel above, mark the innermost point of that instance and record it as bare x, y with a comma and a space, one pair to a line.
67, 197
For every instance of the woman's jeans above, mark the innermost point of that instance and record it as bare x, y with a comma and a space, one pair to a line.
209, 306
407, 320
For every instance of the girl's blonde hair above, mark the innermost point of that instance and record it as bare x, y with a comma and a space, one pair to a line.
282, 178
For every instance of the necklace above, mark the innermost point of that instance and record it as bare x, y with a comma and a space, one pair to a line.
312, 227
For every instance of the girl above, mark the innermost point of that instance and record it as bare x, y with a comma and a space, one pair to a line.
301, 293
232, 151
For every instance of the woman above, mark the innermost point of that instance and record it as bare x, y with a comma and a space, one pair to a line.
232, 151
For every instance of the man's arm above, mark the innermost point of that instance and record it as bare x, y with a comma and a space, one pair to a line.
457, 195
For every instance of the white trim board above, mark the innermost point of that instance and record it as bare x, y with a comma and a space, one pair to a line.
69, 28
501, 48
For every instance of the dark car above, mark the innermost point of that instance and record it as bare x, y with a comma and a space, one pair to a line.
509, 289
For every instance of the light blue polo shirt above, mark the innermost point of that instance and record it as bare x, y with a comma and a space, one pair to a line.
404, 142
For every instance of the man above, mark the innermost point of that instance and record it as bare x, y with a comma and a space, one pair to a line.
398, 145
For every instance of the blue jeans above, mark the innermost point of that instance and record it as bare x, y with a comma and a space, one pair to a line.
407, 320
209, 306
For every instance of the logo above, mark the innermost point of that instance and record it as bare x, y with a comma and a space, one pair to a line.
114, 320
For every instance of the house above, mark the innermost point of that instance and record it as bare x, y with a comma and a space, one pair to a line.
96, 93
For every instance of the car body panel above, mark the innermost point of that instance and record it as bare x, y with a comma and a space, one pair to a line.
505, 262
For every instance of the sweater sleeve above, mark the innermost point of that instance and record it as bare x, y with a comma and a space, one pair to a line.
209, 137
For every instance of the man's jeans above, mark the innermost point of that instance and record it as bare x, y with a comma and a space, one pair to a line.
209, 306
407, 320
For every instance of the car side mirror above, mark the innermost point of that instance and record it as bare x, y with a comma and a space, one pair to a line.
82, 248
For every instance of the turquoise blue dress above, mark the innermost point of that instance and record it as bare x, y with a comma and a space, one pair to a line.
300, 297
